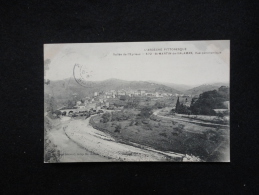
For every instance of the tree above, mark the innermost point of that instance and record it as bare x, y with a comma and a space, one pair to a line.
159, 105
193, 100
118, 128
177, 106
52, 105
71, 104
57, 112
210, 100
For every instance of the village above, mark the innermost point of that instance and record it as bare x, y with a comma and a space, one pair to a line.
118, 99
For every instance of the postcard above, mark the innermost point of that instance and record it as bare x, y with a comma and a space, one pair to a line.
137, 102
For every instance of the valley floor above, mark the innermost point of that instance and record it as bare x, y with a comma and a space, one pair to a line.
78, 141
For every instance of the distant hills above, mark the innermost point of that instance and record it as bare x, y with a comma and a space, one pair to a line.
64, 89
179, 87
205, 87
67, 87
194, 89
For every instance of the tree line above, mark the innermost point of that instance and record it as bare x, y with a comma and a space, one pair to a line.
205, 103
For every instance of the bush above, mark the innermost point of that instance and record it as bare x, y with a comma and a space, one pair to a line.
211, 135
179, 129
120, 116
138, 122
181, 126
147, 127
146, 112
175, 133
106, 117
156, 125
145, 121
51, 154
163, 134
220, 115
132, 123
118, 128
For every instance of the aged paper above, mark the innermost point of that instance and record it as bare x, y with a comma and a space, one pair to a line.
137, 101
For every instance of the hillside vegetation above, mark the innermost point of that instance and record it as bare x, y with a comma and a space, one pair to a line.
210, 100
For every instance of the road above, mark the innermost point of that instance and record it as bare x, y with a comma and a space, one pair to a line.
156, 113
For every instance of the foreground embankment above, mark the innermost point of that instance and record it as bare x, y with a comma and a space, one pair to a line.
97, 142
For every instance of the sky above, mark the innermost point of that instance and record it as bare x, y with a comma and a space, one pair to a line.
102, 61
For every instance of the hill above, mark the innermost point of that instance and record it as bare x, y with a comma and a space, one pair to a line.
205, 87
64, 89
179, 87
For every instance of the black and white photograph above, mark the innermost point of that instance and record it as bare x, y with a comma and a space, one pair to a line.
137, 101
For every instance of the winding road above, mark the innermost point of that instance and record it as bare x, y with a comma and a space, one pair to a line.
156, 113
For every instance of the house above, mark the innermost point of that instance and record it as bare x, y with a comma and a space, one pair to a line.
113, 92
149, 94
136, 93
121, 92
95, 93
81, 106
142, 92
165, 94
130, 94
90, 105
159, 94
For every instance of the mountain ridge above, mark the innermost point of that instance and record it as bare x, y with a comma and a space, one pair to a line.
205, 87
67, 87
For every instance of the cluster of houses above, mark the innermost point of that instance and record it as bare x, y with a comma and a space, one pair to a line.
136, 93
110, 99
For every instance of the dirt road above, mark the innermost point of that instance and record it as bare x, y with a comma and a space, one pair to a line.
156, 113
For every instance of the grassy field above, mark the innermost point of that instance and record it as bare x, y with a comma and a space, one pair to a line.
169, 135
